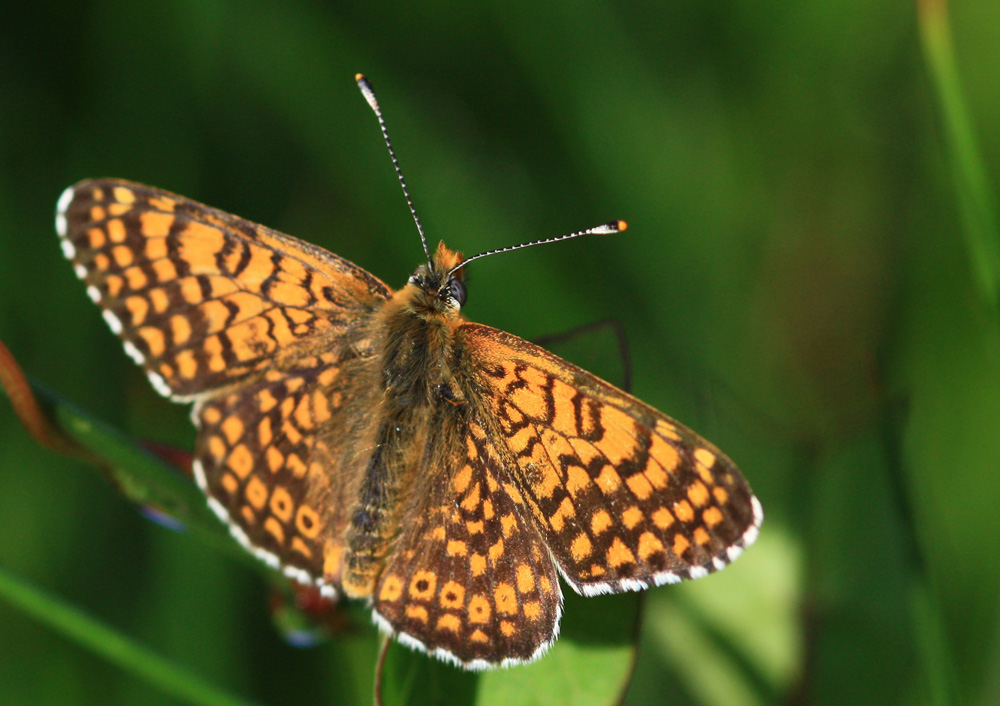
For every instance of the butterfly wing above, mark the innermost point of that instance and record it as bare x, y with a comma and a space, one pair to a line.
203, 299
624, 496
256, 326
470, 580
269, 459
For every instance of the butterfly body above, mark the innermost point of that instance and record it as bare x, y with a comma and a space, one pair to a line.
375, 443
409, 386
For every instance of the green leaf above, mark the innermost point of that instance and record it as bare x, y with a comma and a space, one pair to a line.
589, 665
140, 475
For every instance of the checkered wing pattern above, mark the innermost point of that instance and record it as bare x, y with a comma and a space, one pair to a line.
269, 456
203, 299
470, 579
624, 496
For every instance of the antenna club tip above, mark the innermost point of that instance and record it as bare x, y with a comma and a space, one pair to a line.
366, 90
609, 228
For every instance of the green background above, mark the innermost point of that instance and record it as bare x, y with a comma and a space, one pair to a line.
809, 279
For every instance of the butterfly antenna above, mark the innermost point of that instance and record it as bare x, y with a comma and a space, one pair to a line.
369, 93
605, 229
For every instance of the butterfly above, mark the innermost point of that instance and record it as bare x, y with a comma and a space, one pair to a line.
378, 445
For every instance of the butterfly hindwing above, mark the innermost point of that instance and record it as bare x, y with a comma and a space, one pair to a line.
470, 579
624, 496
203, 299
269, 458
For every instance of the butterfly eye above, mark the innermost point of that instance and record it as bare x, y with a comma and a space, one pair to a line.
456, 289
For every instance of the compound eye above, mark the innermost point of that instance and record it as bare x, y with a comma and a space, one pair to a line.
456, 288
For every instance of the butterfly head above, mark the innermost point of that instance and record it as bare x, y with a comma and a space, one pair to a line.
439, 281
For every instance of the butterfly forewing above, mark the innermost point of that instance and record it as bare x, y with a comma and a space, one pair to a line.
203, 299
624, 496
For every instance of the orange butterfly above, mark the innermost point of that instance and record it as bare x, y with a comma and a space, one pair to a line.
378, 445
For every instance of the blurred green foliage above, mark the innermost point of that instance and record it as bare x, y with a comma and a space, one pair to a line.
808, 279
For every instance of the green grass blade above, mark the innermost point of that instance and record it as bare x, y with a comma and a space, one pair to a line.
141, 476
977, 202
928, 623
112, 645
